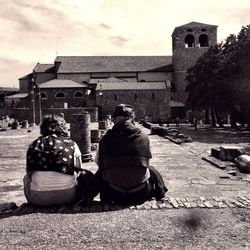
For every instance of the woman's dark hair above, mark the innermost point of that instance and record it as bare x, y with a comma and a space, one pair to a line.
53, 124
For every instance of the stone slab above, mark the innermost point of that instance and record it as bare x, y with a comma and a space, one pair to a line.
215, 152
243, 163
229, 153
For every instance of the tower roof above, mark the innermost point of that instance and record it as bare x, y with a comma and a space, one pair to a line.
194, 25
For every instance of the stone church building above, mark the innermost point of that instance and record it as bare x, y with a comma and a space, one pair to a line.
154, 85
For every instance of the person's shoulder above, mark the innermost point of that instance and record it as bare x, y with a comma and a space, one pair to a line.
143, 135
37, 140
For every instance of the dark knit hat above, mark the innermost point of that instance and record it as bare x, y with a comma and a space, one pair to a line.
124, 110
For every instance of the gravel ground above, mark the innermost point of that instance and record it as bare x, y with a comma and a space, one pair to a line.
126, 229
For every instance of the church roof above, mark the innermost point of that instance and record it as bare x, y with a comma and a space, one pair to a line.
61, 83
44, 68
131, 85
25, 77
104, 80
100, 64
8, 89
18, 95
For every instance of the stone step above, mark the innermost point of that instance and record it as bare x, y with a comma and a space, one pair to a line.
8, 209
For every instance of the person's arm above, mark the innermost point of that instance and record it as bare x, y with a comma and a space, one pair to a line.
77, 157
97, 157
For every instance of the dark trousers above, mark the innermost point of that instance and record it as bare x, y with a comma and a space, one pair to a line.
108, 194
154, 187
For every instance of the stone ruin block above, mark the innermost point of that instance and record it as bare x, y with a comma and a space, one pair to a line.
229, 153
155, 130
95, 135
215, 152
243, 163
187, 139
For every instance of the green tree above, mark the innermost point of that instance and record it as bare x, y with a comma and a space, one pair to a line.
220, 80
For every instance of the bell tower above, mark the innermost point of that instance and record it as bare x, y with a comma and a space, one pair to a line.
189, 42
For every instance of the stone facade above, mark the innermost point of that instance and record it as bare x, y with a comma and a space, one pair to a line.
189, 42
147, 103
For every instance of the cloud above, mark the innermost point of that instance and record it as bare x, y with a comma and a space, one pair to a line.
12, 69
118, 40
20, 17
105, 26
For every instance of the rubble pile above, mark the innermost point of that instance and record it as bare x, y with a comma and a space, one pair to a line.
169, 133
230, 156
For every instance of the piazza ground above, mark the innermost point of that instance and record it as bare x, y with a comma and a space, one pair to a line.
205, 207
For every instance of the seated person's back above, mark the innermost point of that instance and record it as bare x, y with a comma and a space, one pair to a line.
123, 160
51, 162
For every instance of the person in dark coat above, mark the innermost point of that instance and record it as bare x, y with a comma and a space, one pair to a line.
123, 156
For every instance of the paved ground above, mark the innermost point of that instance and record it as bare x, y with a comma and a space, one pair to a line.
192, 183
187, 176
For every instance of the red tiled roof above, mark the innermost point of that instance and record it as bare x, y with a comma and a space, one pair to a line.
110, 79
44, 68
61, 83
130, 85
26, 76
89, 64
8, 89
196, 24
19, 96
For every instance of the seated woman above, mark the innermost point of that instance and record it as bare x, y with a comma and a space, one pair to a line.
52, 162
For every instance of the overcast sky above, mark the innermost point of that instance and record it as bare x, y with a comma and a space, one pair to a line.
34, 31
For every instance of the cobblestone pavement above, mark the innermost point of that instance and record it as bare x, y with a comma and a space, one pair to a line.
192, 182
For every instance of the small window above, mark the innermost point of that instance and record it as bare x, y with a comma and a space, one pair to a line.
136, 96
60, 94
189, 41
78, 94
189, 30
203, 30
203, 40
43, 95
142, 81
153, 96
115, 97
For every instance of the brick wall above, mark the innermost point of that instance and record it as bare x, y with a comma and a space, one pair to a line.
52, 102
152, 103
44, 77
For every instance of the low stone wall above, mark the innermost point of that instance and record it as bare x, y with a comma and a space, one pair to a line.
93, 111
20, 114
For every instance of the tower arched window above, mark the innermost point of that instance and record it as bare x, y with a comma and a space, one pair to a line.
60, 94
115, 97
203, 40
78, 94
153, 96
43, 95
189, 41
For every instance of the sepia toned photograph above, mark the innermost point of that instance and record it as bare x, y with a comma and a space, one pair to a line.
125, 124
